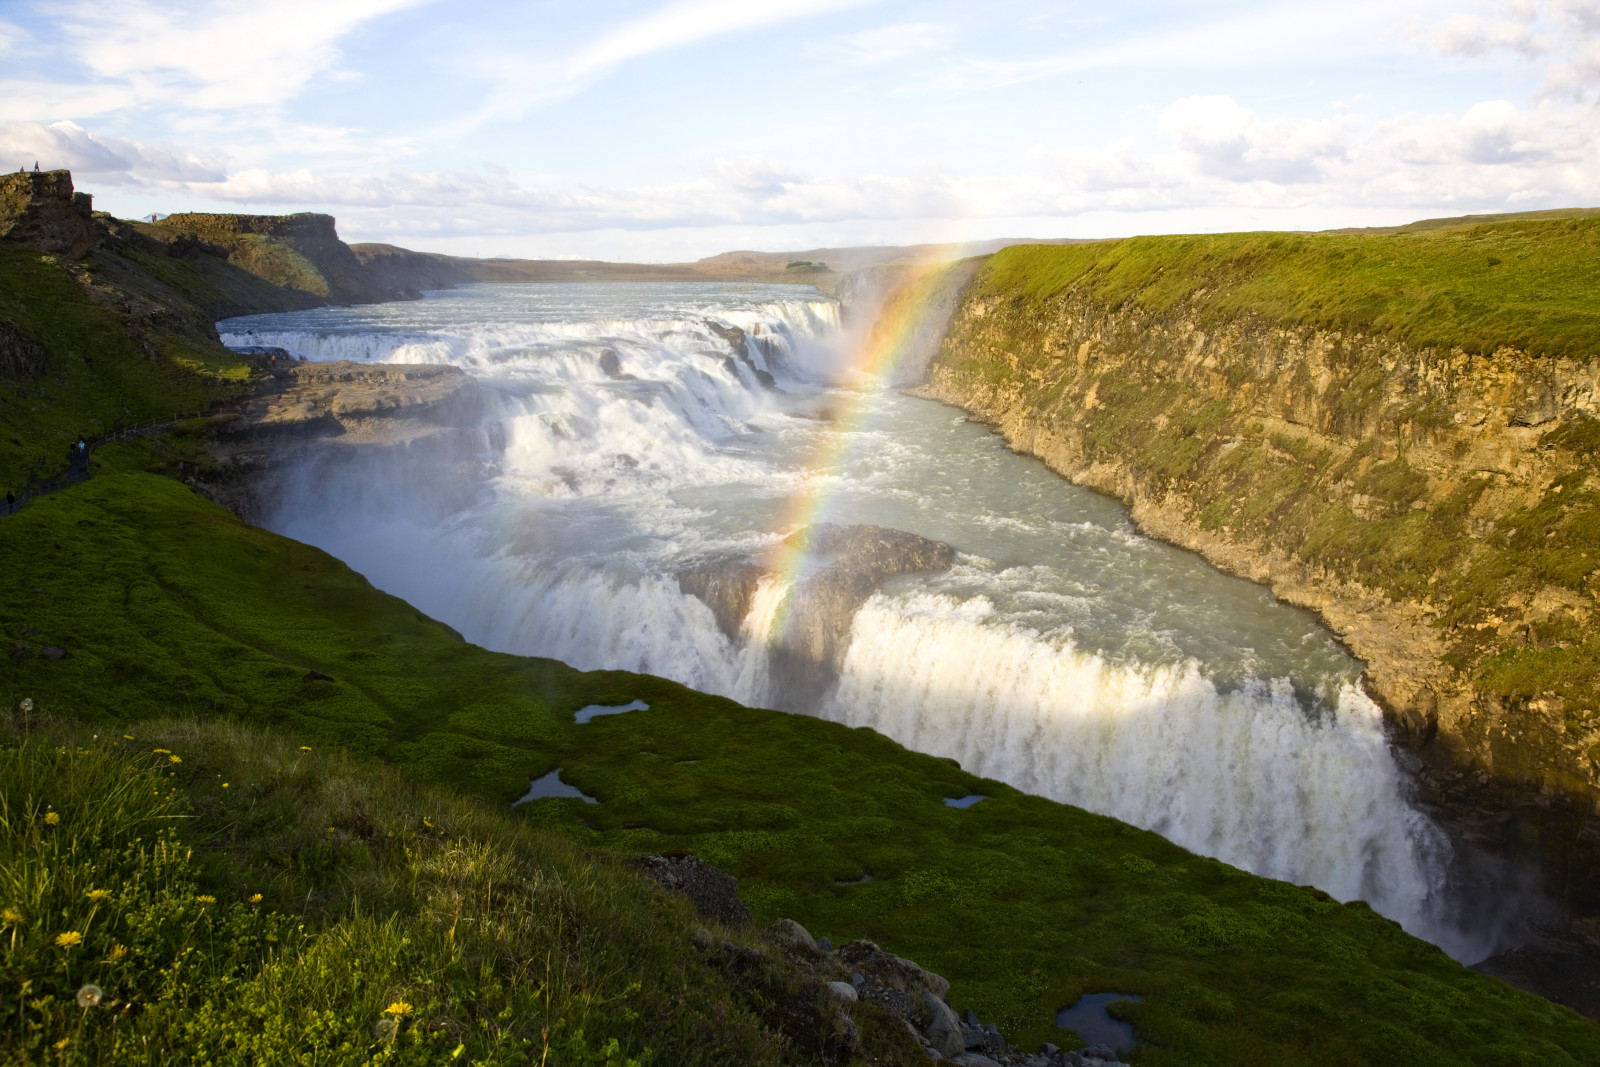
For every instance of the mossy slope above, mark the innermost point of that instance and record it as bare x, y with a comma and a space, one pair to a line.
168, 606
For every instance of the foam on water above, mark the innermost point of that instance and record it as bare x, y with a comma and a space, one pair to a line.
621, 439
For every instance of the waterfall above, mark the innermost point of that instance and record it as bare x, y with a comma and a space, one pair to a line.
627, 432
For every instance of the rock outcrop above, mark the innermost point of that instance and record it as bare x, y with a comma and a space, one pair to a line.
839, 567
41, 208
20, 355
349, 406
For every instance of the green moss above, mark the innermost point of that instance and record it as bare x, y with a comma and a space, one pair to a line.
170, 606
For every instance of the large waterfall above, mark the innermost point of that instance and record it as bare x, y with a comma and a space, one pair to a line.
631, 432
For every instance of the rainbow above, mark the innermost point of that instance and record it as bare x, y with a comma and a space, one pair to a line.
872, 365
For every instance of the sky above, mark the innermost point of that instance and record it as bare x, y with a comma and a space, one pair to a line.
651, 131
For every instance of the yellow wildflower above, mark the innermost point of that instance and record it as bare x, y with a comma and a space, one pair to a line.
399, 1007
224, 785
175, 759
161, 751
97, 895
11, 915
205, 900
62, 1044
127, 737
255, 898
305, 748
69, 939
52, 819
117, 952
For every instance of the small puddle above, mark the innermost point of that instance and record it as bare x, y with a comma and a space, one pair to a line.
551, 785
863, 880
596, 710
964, 802
1089, 1020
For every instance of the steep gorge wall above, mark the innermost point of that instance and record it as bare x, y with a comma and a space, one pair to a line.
301, 251
1440, 509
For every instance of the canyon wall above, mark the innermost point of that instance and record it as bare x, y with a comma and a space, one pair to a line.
1438, 507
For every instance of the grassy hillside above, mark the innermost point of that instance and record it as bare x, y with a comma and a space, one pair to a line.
209, 893
105, 368
169, 607
1525, 284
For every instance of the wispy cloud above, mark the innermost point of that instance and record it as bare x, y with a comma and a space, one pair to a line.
1262, 36
521, 82
881, 44
210, 56
105, 160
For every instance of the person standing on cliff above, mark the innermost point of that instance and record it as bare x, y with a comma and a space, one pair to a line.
36, 166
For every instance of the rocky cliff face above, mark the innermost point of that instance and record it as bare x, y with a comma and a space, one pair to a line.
301, 251
1440, 510
42, 209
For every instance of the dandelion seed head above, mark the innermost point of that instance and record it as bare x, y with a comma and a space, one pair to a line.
26, 705
385, 1027
69, 939
89, 996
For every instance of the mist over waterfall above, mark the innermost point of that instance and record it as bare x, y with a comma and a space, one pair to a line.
637, 442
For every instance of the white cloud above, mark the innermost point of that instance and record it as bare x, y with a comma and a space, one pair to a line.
1227, 140
103, 159
10, 37
882, 44
521, 83
1561, 38
210, 55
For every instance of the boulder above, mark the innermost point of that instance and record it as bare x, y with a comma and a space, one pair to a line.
790, 934
843, 990
944, 1029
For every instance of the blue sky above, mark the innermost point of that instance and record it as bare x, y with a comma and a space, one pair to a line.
661, 131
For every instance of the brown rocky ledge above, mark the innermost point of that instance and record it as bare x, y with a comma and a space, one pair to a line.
339, 405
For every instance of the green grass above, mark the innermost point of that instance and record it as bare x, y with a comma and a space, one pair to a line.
171, 607
1526, 284
226, 897
99, 377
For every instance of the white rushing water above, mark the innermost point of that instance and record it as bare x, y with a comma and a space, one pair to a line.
1063, 653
